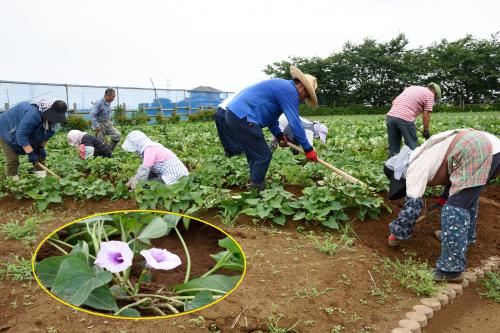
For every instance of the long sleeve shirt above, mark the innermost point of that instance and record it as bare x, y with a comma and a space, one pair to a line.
99, 113
22, 126
427, 158
265, 101
98, 147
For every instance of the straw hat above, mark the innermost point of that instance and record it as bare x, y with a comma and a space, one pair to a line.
309, 82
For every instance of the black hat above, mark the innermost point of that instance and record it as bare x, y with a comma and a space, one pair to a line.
397, 188
56, 113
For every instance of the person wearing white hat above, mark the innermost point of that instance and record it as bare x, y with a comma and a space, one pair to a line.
260, 105
158, 162
313, 129
88, 145
463, 160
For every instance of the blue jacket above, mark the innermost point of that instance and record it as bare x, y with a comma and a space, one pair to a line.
265, 101
22, 126
100, 112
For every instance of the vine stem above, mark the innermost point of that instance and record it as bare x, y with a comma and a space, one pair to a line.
139, 281
201, 289
157, 310
188, 257
218, 264
132, 305
166, 298
58, 247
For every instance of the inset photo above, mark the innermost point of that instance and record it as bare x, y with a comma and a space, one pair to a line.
139, 264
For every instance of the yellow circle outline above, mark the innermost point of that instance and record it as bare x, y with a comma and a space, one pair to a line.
137, 318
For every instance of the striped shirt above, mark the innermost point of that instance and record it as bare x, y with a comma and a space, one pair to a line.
164, 163
411, 102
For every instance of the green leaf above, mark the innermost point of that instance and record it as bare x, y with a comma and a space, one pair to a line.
130, 312
286, 210
299, 215
280, 219
250, 211
75, 280
227, 243
201, 299
233, 263
331, 223
186, 221
46, 270
216, 281
158, 227
172, 220
102, 299
252, 202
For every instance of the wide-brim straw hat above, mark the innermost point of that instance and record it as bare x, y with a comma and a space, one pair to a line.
309, 82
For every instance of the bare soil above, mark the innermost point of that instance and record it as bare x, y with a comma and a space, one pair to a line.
287, 279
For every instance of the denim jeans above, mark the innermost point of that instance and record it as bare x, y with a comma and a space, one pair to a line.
250, 138
398, 128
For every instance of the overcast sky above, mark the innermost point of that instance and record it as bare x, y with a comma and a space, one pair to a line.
224, 44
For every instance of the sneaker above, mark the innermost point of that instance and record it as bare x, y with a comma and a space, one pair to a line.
392, 240
451, 277
437, 233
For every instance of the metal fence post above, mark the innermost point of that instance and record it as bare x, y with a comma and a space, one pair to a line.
67, 95
6, 106
117, 96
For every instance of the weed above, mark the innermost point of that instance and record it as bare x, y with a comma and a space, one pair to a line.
345, 280
52, 329
309, 322
366, 329
337, 329
20, 270
363, 301
329, 310
198, 322
492, 285
273, 324
25, 233
412, 275
329, 244
355, 318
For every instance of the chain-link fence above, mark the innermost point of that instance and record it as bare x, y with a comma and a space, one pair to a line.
81, 98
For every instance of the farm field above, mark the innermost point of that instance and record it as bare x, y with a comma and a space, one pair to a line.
316, 251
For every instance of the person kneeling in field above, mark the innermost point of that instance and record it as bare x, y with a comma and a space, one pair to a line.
313, 129
158, 163
260, 105
88, 145
463, 160
25, 130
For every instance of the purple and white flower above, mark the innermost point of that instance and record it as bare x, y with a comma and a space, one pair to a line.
160, 259
115, 256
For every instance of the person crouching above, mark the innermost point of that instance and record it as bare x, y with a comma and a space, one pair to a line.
88, 145
158, 163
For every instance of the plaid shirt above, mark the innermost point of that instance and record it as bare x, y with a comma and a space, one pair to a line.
469, 161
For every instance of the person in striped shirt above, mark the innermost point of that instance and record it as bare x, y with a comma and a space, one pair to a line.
405, 109
158, 163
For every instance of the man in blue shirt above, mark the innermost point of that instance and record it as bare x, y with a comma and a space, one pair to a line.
260, 105
25, 129
101, 122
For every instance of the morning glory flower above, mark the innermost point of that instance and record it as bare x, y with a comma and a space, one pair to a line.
160, 259
115, 256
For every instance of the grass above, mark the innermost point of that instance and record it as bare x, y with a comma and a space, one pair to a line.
330, 244
412, 275
19, 270
26, 232
273, 324
492, 285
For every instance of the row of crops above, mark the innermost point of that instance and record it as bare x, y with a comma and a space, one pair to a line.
356, 144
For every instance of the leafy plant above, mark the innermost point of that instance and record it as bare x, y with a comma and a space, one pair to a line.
412, 275
492, 285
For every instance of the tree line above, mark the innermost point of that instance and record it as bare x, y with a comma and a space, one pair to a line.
374, 73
